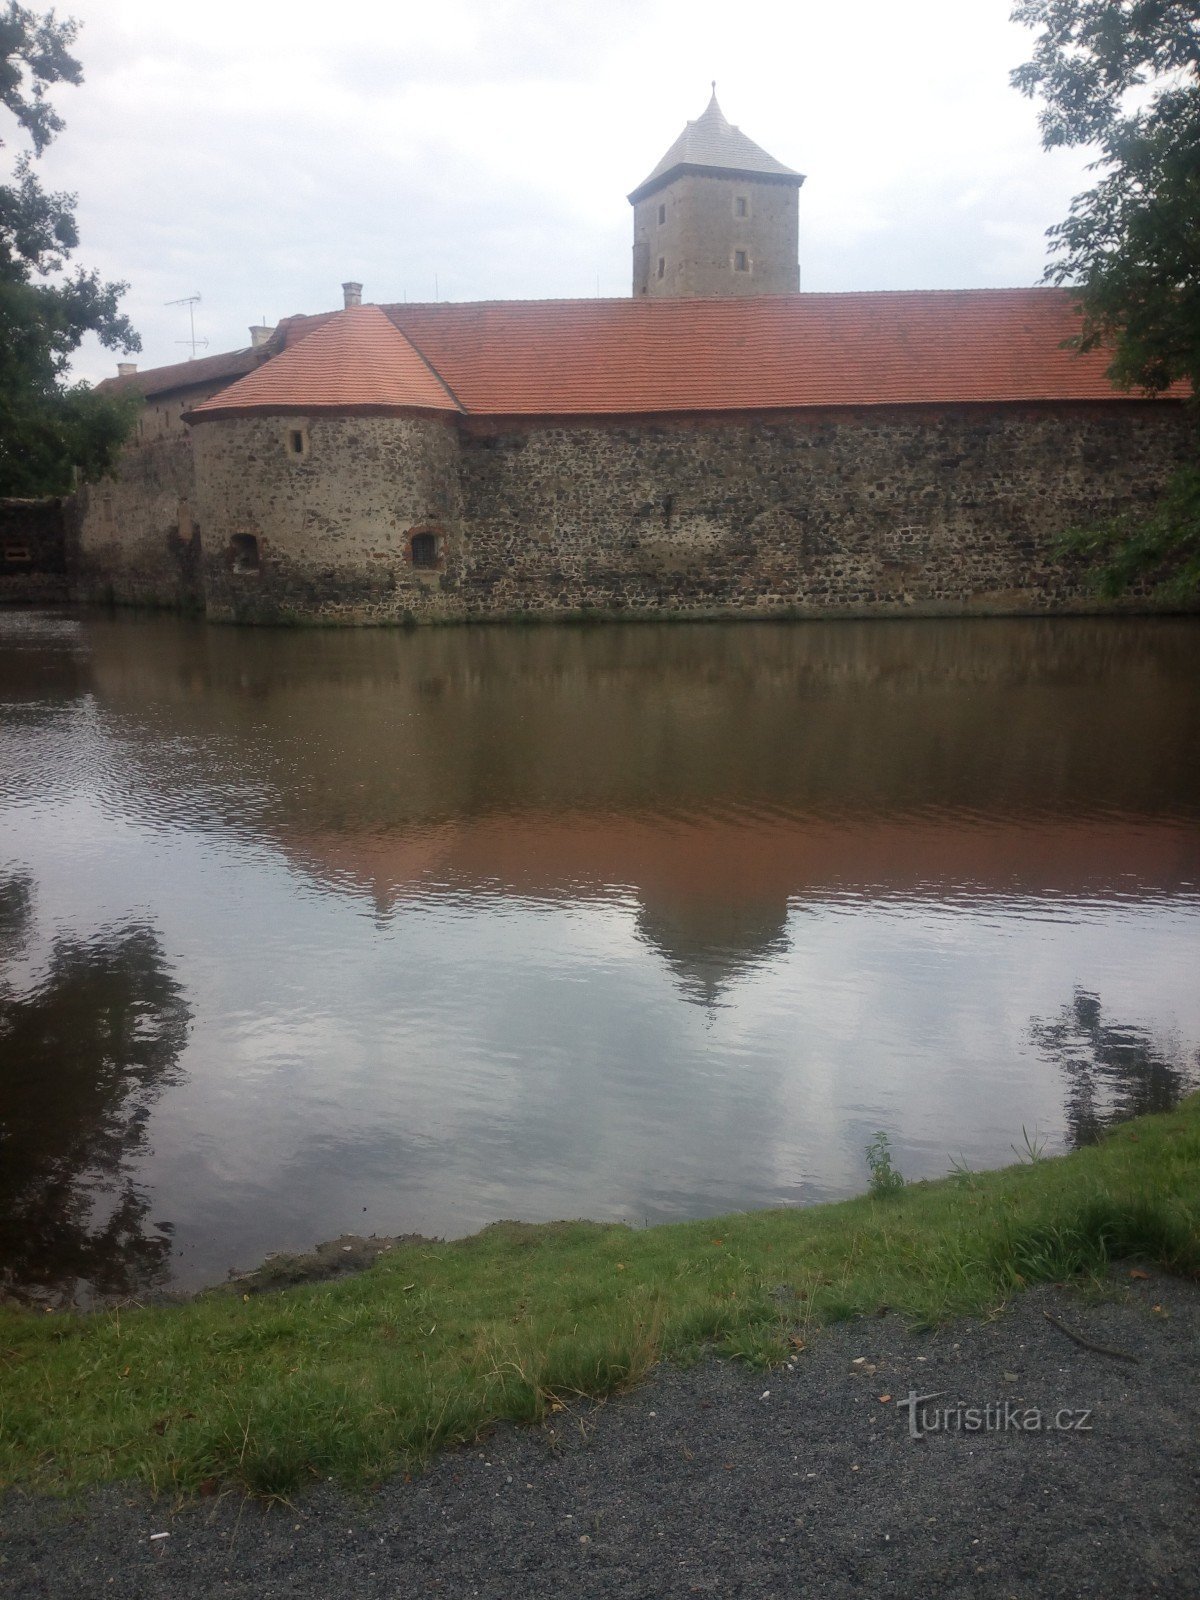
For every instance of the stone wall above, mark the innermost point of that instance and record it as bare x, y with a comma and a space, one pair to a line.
33, 552
901, 511
137, 533
306, 516
918, 511
702, 230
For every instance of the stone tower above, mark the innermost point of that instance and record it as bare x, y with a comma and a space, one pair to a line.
717, 216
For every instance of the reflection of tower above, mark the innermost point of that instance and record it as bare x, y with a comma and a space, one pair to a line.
717, 216
709, 942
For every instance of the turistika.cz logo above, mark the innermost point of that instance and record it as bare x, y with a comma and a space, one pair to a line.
998, 1416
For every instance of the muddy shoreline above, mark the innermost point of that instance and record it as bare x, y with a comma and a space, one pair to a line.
342, 1257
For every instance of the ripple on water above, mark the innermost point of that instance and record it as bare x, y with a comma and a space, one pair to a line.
622, 925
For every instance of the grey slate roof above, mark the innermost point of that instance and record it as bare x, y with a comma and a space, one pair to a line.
713, 144
186, 374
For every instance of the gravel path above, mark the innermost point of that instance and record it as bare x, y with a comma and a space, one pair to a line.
716, 1481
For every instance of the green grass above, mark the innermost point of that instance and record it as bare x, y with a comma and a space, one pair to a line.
358, 1378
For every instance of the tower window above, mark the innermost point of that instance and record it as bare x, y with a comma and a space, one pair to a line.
741, 206
741, 261
662, 266
662, 215
296, 441
424, 550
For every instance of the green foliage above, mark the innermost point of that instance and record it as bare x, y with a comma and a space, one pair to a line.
1160, 547
34, 53
885, 1179
1124, 76
48, 427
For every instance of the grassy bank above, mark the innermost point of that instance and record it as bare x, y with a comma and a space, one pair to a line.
356, 1378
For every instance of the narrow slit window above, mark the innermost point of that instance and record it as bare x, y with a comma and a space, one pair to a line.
17, 552
662, 266
424, 550
741, 261
296, 441
741, 206
662, 215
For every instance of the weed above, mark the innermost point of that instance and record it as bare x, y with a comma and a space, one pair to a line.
961, 1173
1033, 1146
885, 1180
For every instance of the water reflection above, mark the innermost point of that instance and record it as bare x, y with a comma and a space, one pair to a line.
85, 1052
636, 922
16, 912
709, 941
1112, 1071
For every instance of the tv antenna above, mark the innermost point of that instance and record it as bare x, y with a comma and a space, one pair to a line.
191, 301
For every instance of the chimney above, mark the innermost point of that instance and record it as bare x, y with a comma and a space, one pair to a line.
260, 334
352, 294
126, 369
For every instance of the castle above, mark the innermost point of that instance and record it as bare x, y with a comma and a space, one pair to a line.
718, 444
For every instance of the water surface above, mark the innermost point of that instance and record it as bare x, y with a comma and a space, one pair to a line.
304, 933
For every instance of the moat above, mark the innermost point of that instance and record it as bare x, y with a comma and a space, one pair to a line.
311, 932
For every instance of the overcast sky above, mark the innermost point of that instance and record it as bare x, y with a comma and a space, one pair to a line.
260, 152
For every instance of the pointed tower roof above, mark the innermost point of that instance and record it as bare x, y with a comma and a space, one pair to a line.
356, 360
713, 145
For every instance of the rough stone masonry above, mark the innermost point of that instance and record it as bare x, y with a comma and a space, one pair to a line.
900, 511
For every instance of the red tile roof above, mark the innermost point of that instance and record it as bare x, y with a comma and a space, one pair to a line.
355, 361
646, 357
595, 356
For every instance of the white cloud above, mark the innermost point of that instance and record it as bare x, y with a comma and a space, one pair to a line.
261, 153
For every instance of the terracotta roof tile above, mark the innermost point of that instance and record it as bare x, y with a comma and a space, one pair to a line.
646, 357
596, 357
356, 360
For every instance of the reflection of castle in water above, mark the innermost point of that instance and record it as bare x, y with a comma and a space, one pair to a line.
713, 774
714, 793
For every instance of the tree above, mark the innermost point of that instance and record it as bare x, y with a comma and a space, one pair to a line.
1124, 76
48, 426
